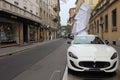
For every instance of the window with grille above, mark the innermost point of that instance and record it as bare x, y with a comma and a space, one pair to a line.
106, 23
114, 20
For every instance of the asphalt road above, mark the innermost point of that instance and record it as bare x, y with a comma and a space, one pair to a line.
72, 75
39, 63
93, 76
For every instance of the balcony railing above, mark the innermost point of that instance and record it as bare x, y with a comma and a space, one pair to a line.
10, 8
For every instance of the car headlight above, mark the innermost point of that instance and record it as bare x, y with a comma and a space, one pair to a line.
72, 55
114, 56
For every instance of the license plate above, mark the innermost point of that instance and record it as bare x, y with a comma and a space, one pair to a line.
94, 69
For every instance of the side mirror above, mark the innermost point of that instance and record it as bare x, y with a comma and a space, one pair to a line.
69, 42
106, 41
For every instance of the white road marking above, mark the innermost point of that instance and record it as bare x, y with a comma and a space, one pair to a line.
55, 72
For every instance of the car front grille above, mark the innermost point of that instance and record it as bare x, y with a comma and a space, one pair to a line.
91, 64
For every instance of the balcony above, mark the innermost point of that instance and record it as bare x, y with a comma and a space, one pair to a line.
12, 9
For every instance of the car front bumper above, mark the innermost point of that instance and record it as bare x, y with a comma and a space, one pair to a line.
92, 65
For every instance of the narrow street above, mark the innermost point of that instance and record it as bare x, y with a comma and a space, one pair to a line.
45, 62
36, 39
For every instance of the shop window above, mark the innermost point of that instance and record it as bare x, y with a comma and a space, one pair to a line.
6, 34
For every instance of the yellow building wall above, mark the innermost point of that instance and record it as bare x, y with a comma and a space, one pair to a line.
110, 35
89, 2
79, 2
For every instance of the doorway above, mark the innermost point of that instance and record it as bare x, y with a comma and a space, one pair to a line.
25, 33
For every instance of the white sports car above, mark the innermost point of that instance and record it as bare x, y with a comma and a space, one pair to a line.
90, 53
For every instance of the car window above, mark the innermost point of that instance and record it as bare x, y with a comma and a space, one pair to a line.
87, 40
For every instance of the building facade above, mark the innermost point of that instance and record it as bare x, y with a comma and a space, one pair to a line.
23, 21
92, 3
78, 4
49, 12
105, 20
43, 14
54, 17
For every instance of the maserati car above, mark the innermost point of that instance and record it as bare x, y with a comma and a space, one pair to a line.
90, 53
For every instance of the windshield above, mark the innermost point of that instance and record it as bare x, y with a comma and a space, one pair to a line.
87, 40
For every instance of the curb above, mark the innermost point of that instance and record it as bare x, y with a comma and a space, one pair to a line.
13, 52
65, 76
119, 66
25, 48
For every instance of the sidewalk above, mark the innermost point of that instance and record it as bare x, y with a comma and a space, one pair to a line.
15, 49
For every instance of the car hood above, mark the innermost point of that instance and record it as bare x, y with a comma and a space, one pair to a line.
89, 50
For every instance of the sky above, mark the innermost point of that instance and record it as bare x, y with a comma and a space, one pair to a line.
64, 10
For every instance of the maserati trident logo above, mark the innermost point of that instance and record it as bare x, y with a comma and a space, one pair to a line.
94, 65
